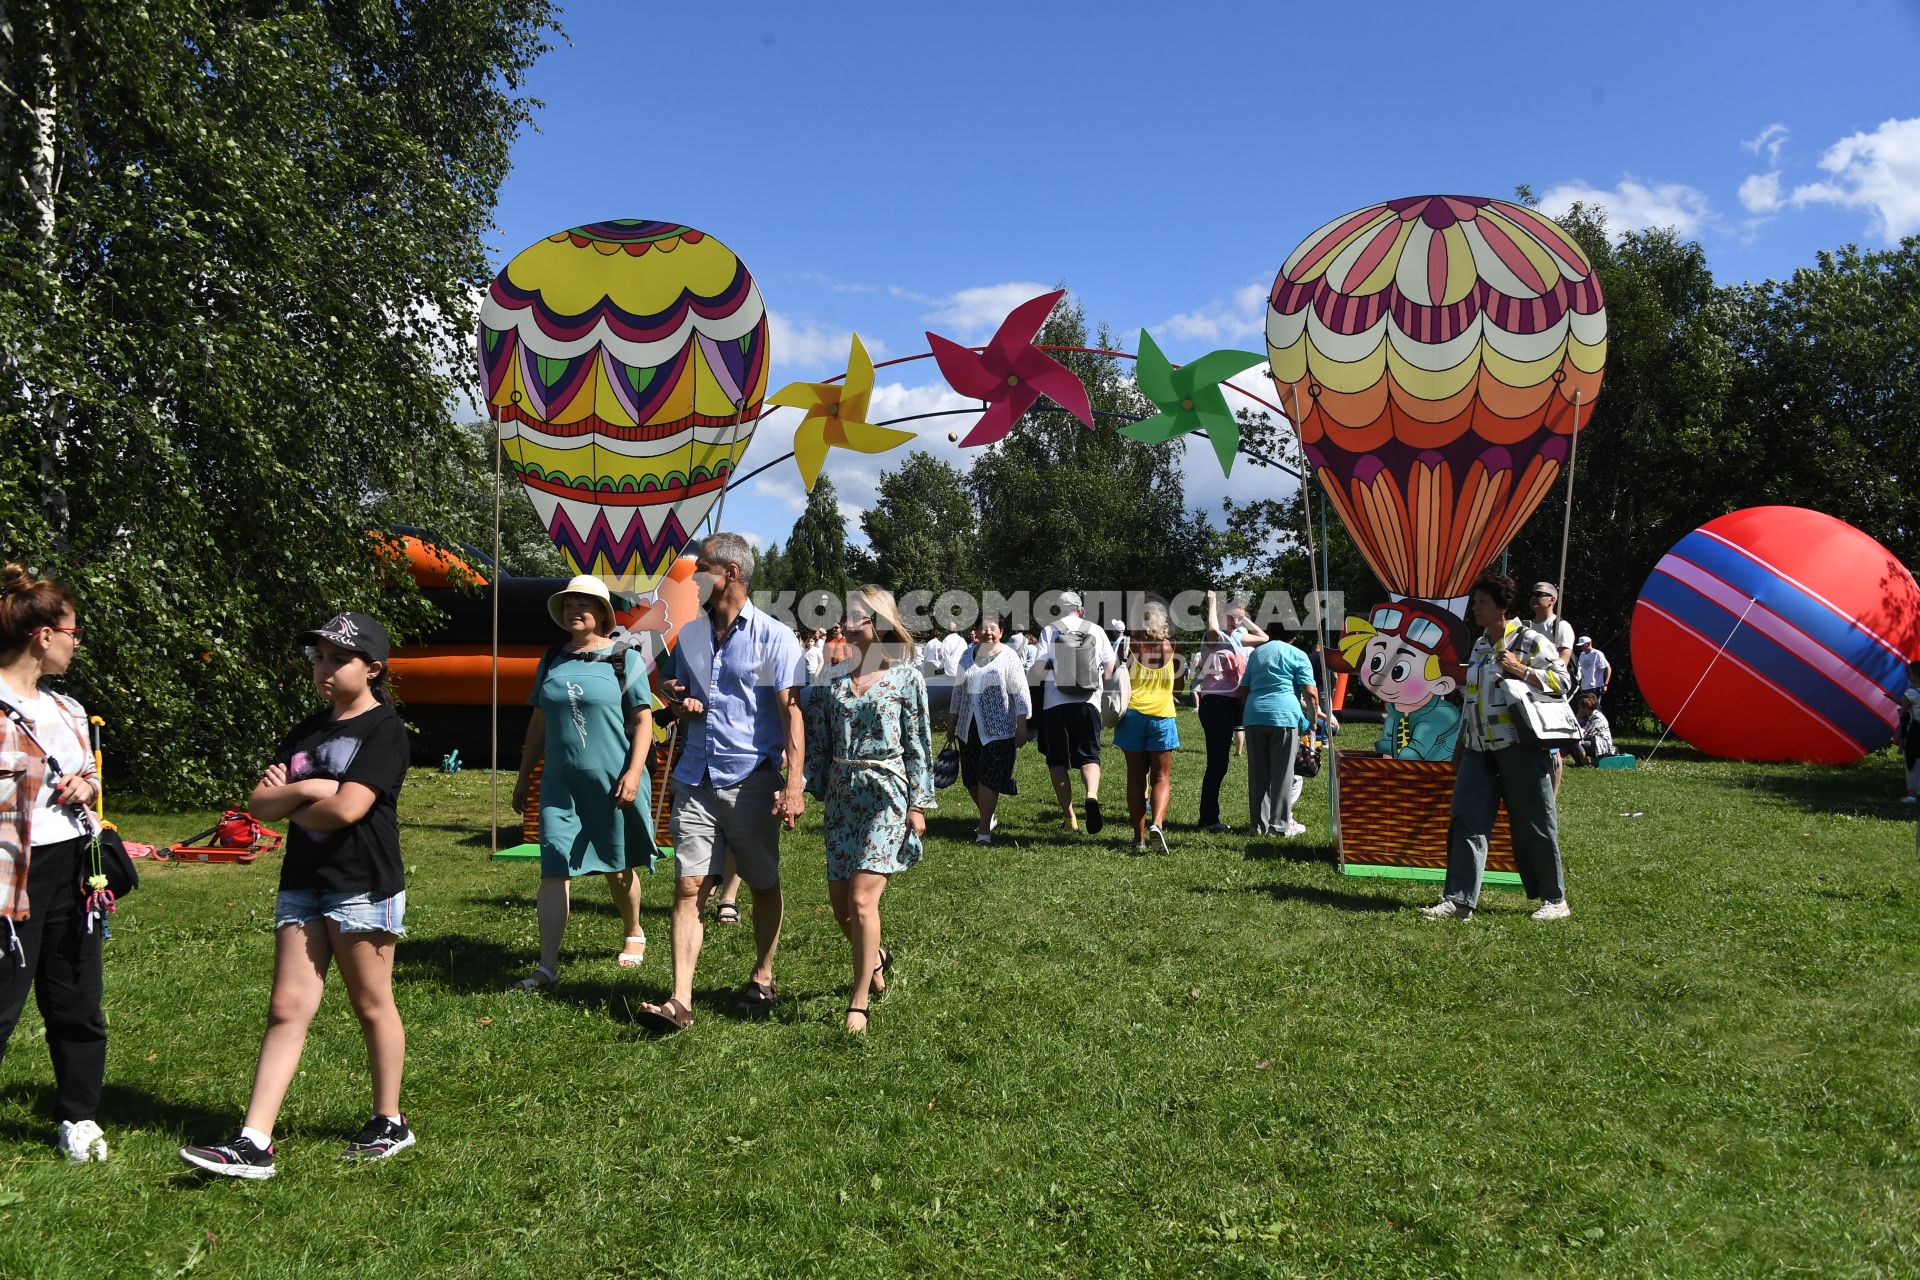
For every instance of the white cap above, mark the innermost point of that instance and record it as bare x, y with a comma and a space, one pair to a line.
1070, 600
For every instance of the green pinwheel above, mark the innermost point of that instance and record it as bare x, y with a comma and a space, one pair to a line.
1189, 398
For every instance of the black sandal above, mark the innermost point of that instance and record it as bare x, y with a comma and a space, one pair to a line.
863, 1013
756, 999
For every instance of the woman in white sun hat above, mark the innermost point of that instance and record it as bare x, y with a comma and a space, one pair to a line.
593, 725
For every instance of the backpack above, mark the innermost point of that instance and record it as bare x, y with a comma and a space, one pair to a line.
1076, 660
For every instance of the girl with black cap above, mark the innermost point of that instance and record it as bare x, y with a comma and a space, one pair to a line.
335, 779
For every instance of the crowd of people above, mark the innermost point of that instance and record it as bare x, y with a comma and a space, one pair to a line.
765, 720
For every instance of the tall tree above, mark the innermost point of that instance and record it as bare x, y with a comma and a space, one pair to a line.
817, 547
921, 530
235, 303
1060, 505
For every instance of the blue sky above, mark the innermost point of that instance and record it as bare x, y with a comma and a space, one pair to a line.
893, 168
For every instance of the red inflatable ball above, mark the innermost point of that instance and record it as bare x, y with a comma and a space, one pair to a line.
1777, 633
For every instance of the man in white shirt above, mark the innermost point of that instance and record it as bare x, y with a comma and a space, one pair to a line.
1545, 600
1596, 673
1077, 660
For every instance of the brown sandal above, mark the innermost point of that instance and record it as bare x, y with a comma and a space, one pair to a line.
757, 998
666, 1017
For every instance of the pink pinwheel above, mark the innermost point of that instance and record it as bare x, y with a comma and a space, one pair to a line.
1011, 373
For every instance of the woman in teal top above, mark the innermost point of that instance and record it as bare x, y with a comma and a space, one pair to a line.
593, 725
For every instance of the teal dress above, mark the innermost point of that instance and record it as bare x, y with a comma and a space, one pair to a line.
870, 756
587, 698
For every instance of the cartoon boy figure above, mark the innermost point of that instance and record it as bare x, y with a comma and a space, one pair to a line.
1407, 654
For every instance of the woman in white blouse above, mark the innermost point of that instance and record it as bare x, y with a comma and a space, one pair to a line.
988, 715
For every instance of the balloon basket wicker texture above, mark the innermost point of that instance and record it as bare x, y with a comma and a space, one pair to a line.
664, 757
1393, 820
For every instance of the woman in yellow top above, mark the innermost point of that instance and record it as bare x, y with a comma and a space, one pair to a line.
1148, 732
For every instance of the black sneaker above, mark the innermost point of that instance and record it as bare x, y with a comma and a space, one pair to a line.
237, 1157
1094, 821
378, 1139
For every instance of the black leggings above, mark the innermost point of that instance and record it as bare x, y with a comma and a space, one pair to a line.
61, 966
1219, 717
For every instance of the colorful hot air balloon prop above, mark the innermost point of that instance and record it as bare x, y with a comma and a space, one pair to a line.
1439, 350
626, 363
1777, 633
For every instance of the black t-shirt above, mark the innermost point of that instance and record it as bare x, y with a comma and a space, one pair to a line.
370, 749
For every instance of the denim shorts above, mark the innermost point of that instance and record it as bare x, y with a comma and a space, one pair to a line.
1138, 731
353, 912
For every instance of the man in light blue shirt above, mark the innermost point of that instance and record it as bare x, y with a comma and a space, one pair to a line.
737, 702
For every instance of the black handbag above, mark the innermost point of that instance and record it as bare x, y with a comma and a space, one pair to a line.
111, 859
1306, 757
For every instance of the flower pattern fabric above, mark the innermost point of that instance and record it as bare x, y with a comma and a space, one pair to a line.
870, 758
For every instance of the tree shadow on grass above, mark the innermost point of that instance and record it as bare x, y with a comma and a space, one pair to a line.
1841, 790
122, 1106
1289, 851
1313, 894
469, 965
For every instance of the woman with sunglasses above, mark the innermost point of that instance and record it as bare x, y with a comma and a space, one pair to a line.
870, 758
47, 786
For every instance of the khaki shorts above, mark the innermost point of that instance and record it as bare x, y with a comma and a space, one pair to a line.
711, 822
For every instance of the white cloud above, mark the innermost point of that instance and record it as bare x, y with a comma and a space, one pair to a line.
808, 347
978, 312
1878, 171
1760, 193
757, 541
782, 486
1770, 140
1241, 315
1634, 205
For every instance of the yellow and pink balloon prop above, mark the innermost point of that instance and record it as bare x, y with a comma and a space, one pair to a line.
625, 362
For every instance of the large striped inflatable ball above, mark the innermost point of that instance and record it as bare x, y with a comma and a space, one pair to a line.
1777, 633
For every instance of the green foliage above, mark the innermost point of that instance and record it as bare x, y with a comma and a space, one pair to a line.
1231, 1061
233, 351
922, 531
816, 556
460, 483
1060, 505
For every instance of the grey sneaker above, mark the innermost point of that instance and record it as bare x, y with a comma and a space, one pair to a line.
1155, 833
1447, 909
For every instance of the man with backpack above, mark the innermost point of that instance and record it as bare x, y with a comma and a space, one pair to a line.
1077, 660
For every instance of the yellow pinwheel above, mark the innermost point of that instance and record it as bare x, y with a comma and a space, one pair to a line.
836, 415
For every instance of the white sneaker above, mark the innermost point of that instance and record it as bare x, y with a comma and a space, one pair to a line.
1294, 829
82, 1141
1552, 911
1155, 833
1447, 909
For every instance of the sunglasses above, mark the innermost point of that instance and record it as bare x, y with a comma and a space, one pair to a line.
1543, 595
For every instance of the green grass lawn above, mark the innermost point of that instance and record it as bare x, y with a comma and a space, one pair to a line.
1229, 1061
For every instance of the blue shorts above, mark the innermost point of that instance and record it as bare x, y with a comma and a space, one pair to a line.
1140, 732
353, 912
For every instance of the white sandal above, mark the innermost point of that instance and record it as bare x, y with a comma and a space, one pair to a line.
541, 979
630, 959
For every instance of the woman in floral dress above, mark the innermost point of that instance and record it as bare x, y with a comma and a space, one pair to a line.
869, 757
